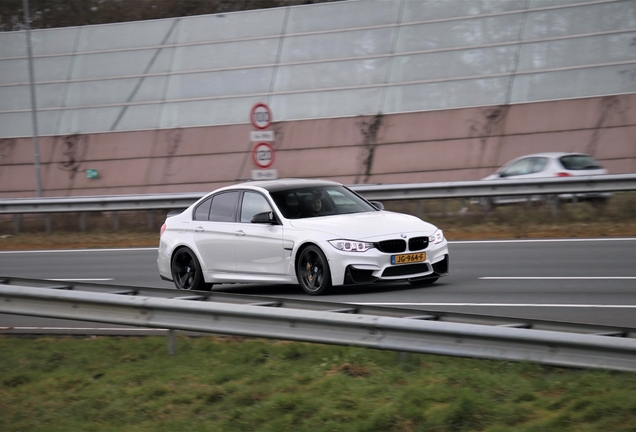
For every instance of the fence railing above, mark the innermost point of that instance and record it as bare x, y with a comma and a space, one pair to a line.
414, 191
329, 327
500, 187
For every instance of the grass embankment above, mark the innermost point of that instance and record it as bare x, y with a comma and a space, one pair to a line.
230, 384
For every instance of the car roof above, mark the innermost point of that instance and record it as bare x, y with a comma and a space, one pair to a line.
283, 184
551, 154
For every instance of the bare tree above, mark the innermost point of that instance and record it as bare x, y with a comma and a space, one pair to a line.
65, 13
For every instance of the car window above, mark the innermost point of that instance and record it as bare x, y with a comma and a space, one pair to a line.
339, 198
319, 201
202, 211
253, 203
524, 166
223, 207
579, 162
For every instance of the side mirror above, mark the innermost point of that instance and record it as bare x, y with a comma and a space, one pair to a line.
377, 204
264, 218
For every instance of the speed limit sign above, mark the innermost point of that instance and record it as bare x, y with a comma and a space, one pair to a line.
261, 116
263, 155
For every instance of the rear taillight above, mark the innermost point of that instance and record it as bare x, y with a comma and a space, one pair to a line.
163, 229
563, 174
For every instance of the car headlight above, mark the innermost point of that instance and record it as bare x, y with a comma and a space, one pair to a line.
351, 245
437, 237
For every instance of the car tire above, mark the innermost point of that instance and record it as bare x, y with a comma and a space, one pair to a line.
186, 271
312, 271
423, 282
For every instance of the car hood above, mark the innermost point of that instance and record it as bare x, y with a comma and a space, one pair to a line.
366, 226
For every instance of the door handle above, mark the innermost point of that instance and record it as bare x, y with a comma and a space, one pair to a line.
199, 229
239, 233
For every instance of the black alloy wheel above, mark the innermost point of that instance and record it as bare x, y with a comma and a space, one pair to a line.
186, 271
312, 270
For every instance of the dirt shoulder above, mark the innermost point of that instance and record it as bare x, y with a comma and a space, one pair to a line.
459, 219
453, 232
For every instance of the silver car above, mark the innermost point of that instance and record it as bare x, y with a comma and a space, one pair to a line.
550, 164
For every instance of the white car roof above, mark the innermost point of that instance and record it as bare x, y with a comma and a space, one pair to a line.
550, 154
280, 184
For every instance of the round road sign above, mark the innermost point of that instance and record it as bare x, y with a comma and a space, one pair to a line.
263, 155
261, 116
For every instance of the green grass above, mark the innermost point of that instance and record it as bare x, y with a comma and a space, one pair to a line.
233, 384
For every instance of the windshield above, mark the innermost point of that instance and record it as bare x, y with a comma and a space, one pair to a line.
319, 201
529, 165
579, 162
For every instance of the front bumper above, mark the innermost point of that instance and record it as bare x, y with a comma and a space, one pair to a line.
375, 266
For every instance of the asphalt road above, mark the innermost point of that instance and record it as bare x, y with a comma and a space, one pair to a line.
588, 281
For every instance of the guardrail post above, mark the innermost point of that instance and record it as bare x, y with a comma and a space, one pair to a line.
82, 221
555, 205
16, 223
115, 221
47, 223
150, 217
172, 342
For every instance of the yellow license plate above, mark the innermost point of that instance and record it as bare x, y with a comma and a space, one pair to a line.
408, 258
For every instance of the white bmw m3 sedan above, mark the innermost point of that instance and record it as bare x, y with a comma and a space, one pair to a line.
315, 233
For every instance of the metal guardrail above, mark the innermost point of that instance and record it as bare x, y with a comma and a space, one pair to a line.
98, 203
500, 187
465, 189
416, 333
324, 306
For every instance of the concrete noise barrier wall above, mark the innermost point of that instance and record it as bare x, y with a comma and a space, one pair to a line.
447, 145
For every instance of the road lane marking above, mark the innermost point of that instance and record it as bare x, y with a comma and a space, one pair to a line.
136, 329
558, 277
450, 242
82, 280
543, 240
79, 250
546, 305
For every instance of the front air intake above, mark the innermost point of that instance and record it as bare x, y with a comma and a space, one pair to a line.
405, 270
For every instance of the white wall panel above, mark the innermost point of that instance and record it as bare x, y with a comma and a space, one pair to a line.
333, 59
331, 75
445, 95
251, 24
